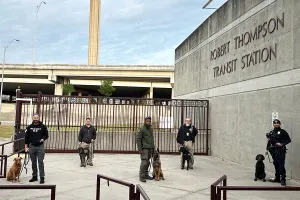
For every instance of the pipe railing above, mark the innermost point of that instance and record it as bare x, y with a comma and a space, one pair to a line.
129, 185
140, 191
31, 187
213, 187
252, 188
3, 166
4, 155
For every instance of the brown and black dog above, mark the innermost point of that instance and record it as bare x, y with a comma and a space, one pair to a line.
157, 171
15, 170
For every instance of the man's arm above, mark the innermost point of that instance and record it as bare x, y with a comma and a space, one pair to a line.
27, 138
139, 140
178, 136
287, 139
45, 133
94, 134
80, 135
268, 144
195, 131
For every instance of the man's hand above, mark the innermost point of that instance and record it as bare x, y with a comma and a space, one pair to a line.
278, 144
141, 152
42, 140
26, 149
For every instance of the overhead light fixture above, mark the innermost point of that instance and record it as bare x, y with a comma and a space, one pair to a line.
207, 3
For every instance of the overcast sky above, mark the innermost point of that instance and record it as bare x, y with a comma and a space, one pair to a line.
132, 31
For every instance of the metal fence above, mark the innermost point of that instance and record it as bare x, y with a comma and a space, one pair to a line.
117, 121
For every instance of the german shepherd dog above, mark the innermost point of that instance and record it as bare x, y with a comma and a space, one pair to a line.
157, 171
185, 157
260, 168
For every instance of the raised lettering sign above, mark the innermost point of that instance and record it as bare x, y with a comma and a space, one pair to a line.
261, 55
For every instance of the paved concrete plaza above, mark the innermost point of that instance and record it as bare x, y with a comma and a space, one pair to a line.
76, 183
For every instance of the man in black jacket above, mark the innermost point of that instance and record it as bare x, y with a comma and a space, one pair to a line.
86, 138
186, 137
35, 136
278, 138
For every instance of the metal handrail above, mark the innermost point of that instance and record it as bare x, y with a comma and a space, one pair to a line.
140, 191
3, 175
3, 157
214, 186
31, 187
253, 188
130, 185
13, 141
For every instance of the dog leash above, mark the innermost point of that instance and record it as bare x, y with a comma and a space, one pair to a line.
25, 163
269, 158
151, 163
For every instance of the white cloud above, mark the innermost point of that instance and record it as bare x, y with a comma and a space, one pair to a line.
132, 31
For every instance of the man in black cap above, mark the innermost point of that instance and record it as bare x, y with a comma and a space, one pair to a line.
145, 145
278, 138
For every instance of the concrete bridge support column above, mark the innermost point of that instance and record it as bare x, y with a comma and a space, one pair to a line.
59, 85
58, 90
151, 92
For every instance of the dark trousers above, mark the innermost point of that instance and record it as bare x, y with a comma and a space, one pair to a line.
145, 162
37, 154
279, 162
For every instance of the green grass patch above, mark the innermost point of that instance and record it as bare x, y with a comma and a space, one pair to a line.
6, 131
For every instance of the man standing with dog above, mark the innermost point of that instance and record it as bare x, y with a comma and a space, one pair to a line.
35, 136
186, 137
145, 145
278, 138
86, 138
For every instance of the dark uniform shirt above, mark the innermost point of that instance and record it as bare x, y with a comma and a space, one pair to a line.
144, 138
278, 135
87, 134
34, 133
186, 133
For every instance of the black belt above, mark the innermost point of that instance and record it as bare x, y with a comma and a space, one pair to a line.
36, 145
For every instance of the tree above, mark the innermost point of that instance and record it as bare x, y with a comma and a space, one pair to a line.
106, 88
68, 89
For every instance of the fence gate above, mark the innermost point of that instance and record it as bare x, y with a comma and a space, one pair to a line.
117, 121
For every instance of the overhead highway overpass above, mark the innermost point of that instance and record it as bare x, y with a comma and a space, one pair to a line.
150, 81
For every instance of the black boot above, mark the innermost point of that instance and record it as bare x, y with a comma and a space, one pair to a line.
34, 178
275, 180
42, 181
148, 177
142, 179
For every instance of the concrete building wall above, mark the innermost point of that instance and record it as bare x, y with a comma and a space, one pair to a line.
248, 79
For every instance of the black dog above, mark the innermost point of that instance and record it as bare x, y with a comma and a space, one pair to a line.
260, 168
185, 157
